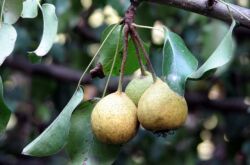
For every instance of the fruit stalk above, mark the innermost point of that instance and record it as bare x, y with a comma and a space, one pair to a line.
124, 56
139, 44
143, 73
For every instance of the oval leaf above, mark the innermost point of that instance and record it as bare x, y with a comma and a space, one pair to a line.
82, 146
221, 56
178, 62
50, 26
108, 52
30, 9
4, 110
8, 37
55, 136
12, 11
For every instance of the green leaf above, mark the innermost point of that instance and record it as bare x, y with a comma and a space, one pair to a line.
211, 37
4, 110
8, 37
12, 11
82, 146
30, 9
108, 52
178, 62
50, 26
221, 56
55, 136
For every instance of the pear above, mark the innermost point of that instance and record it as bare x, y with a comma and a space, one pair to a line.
161, 109
137, 86
114, 119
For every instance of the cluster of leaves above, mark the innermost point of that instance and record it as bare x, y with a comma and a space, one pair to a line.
11, 11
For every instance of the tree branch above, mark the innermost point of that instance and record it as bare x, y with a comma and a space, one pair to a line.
60, 73
218, 10
57, 72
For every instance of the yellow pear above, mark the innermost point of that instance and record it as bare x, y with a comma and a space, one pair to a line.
161, 109
114, 119
137, 86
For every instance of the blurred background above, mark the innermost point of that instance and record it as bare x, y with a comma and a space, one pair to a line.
217, 130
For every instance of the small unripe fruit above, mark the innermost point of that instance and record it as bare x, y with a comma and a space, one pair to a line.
114, 119
137, 86
161, 109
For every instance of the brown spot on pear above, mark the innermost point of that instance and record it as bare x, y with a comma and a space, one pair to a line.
161, 109
137, 86
114, 119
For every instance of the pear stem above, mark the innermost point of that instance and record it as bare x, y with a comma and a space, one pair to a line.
138, 42
124, 57
143, 72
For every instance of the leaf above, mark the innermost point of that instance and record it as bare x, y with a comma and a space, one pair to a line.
55, 136
30, 9
50, 26
12, 11
108, 52
211, 37
221, 56
8, 37
4, 110
178, 62
82, 146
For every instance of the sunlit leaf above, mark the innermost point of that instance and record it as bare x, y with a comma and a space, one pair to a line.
12, 11
82, 146
221, 56
8, 37
30, 9
50, 26
178, 62
55, 136
4, 110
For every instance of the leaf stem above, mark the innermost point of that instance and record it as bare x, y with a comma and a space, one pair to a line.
113, 64
80, 80
230, 6
147, 27
124, 57
145, 54
2, 10
38, 3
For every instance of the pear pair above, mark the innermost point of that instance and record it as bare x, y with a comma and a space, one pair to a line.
115, 117
159, 107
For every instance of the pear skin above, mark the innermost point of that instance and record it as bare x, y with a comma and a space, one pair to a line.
161, 109
114, 119
138, 86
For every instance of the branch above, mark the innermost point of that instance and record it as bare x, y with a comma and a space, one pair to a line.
57, 72
218, 10
60, 73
